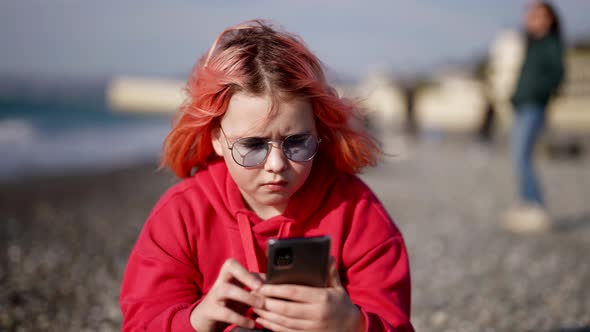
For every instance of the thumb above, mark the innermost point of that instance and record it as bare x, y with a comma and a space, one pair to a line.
334, 278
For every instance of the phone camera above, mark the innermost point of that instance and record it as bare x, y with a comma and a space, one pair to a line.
283, 257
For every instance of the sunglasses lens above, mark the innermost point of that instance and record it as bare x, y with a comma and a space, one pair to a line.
300, 147
250, 151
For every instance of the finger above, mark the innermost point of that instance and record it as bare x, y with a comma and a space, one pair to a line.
274, 326
290, 309
285, 323
271, 325
231, 269
227, 291
334, 277
290, 292
226, 315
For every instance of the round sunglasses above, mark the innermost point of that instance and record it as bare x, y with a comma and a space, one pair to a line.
253, 151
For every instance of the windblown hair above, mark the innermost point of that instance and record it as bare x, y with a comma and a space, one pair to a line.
257, 59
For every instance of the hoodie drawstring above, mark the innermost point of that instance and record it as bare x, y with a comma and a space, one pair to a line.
284, 230
248, 243
248, 240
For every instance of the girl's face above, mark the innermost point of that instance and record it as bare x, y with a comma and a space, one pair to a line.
266, 188
538, 21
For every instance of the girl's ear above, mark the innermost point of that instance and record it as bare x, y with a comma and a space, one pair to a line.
216, 141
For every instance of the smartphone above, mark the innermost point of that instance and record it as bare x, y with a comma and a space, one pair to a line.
300, 261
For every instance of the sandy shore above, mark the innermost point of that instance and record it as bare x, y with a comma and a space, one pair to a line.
64, 242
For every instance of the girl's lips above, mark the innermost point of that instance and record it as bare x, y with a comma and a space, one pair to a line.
275, 186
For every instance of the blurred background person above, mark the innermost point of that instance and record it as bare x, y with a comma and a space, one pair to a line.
540, 76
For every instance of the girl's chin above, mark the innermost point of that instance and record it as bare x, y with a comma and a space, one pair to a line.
268, 208
274, 200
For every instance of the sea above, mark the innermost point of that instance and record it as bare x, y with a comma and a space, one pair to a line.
47, 131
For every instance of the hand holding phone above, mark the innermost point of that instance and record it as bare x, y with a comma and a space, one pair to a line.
297, 262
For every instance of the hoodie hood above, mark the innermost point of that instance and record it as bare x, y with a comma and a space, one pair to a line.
226, 196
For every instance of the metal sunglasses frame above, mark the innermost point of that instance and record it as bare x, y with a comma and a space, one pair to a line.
270, 144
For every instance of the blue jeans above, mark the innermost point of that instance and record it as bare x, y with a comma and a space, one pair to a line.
529, 122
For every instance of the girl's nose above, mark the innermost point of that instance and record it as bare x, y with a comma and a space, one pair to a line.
276, 161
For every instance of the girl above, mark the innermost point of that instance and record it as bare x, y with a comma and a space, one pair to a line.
266, 150
540, 76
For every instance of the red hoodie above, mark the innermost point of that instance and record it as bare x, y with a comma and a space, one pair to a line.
202, 221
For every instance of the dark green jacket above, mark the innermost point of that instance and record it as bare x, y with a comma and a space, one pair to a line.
542, 71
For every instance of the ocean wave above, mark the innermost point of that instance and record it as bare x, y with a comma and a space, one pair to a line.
16, 131
28, 150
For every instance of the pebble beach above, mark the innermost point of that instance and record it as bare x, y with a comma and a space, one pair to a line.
64, 241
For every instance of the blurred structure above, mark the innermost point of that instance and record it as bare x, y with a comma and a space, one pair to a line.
571, 109
452, 99
504, 63
453, 103
383, 105
456, 100
411, 124
135, 94
383, 100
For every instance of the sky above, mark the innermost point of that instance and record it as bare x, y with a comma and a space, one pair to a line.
78, 38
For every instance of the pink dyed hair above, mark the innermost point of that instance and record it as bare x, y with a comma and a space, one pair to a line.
257, 59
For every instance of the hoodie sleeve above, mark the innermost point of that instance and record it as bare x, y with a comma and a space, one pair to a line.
376, 268
161, 283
